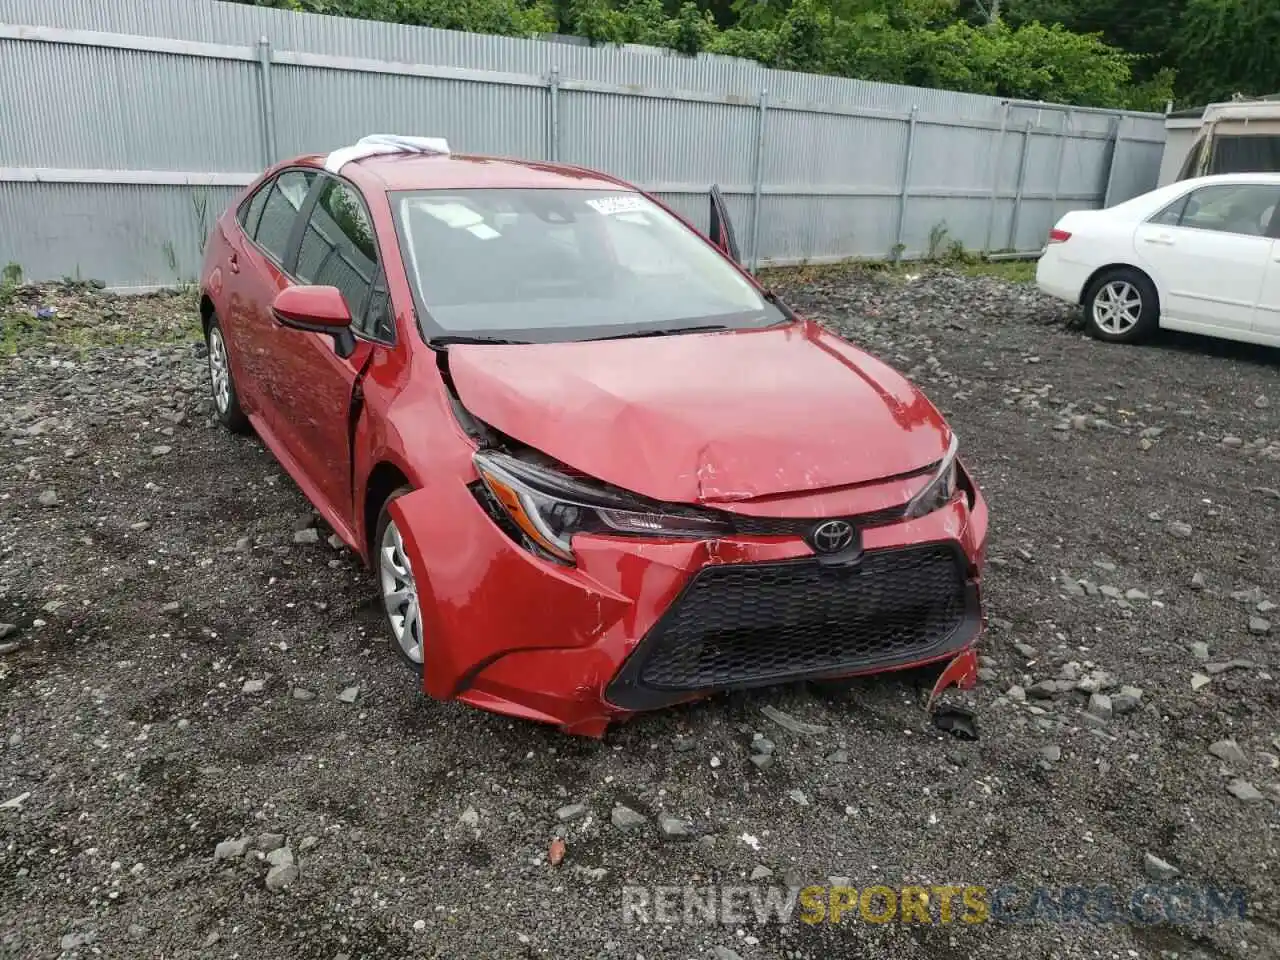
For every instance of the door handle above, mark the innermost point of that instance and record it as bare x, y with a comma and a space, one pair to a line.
1163, 239
234, 264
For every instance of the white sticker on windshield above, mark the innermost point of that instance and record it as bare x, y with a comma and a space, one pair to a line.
483, 231
626, 203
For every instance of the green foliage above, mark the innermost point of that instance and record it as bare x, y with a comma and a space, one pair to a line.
802, 38
200, 213
509, 17
1234, 44
10, 280
1197, 51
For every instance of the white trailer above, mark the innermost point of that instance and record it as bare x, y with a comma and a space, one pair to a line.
1241, 136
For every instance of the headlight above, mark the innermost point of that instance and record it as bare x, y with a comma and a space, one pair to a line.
941, 488
549, 507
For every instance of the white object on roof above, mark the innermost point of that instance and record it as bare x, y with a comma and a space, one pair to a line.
383, 143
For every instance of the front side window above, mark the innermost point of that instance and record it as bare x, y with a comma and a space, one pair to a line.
553, 264
338, 247
280, 211
1240, 208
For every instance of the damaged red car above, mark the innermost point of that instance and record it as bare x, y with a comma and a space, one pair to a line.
596, 468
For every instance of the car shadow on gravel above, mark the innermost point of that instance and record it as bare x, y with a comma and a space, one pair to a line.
1262, 356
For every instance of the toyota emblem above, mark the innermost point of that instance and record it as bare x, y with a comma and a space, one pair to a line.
833, 536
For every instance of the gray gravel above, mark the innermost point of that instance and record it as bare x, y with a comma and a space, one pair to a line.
144, 783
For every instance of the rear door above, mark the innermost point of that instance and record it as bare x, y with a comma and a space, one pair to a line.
1208, 252
255, 274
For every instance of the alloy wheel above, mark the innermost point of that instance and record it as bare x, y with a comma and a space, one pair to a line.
1117, 308
219, 373
400, 593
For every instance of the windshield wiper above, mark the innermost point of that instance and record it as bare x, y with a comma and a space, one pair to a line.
453, 339
663, 332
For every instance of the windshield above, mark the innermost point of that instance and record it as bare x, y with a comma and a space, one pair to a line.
546, 265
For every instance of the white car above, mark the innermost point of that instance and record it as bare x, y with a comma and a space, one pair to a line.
1201, 255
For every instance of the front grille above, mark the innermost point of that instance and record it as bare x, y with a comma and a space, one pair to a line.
793, 527
744, 625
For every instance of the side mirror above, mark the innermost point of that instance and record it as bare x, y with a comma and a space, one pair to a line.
317, 310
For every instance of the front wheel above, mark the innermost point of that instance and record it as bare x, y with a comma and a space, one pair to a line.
399, 587
1122, 307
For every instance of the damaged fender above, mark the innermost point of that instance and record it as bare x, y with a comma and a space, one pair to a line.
483, 602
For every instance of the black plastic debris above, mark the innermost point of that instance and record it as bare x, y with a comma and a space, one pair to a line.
957, 721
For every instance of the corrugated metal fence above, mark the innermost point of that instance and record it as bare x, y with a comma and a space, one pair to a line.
126, 128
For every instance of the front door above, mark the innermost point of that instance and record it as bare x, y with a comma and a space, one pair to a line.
1208, 252
313, 381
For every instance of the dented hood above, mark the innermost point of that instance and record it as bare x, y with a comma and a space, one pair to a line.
705, 418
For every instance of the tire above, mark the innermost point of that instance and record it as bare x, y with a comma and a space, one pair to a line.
1121, 306
222, 385
395, 575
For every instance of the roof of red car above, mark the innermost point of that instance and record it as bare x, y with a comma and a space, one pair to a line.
459, 172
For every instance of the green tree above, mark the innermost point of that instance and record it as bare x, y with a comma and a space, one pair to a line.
1153, 38
802, 38
694, 29
1235, 45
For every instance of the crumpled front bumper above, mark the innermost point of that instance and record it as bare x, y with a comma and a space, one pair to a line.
510, 632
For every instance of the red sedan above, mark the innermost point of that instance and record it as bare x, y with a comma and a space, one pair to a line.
596, 468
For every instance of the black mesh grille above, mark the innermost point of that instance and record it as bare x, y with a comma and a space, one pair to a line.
793, 527
741, 625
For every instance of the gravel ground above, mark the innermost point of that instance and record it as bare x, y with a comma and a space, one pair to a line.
207, 749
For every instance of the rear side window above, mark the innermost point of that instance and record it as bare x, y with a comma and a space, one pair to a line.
1171, 215
280, 211
338, 247
1253, 154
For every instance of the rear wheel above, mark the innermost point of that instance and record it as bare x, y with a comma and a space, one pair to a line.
226, 402
1121, 307
399, 587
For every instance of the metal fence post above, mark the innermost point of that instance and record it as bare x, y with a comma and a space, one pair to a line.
1022, 183
553, 92
1111, 163
995, 179
758, 186
1068, 123
268, 101
906, 183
